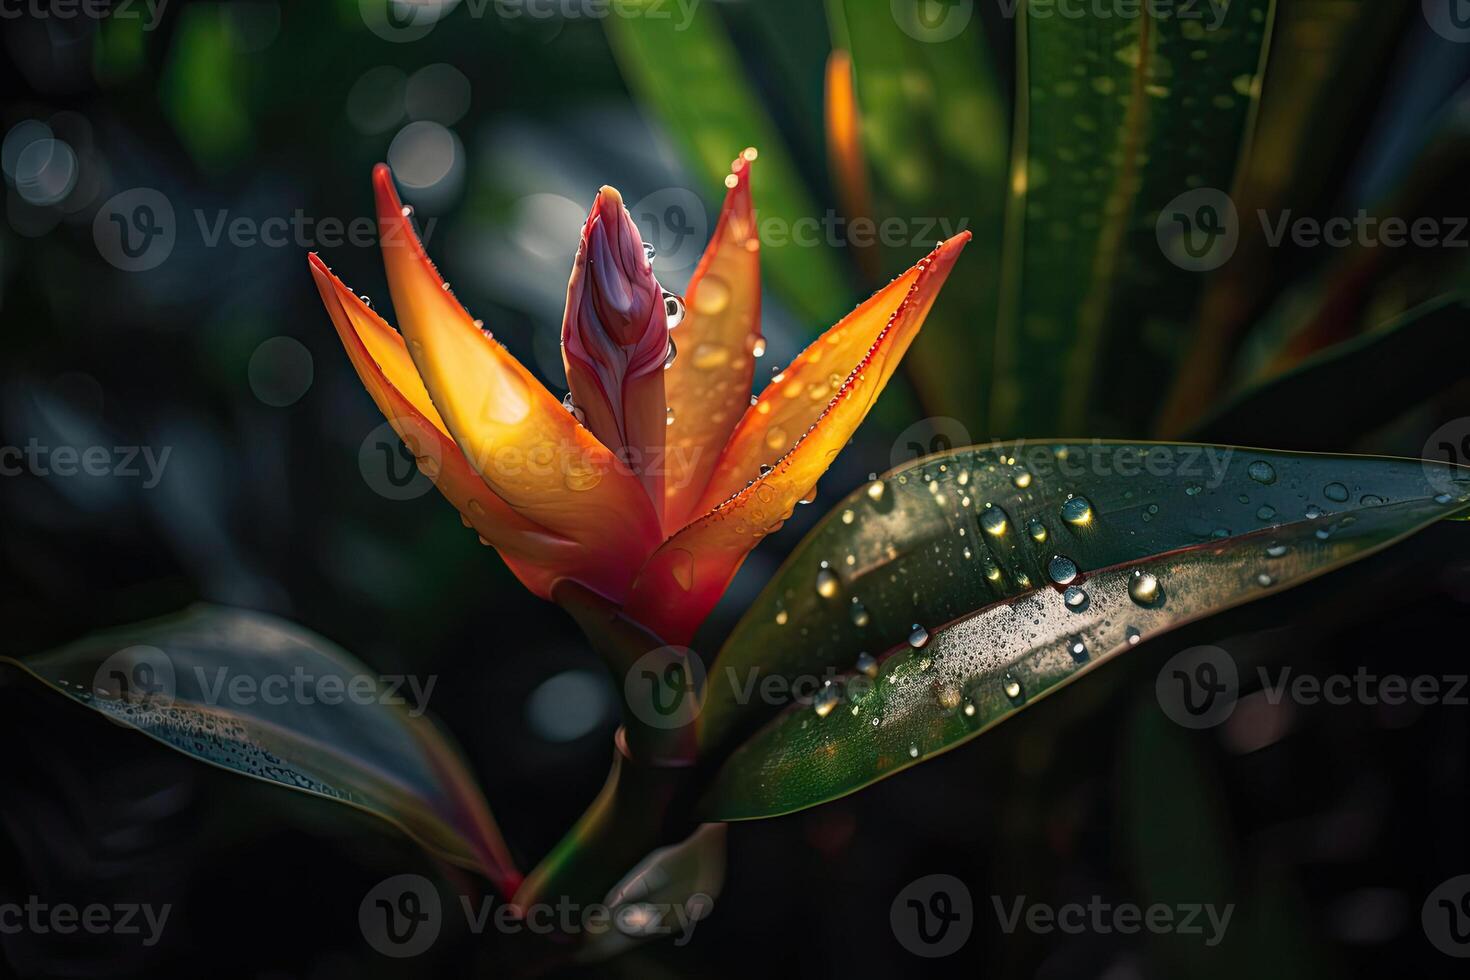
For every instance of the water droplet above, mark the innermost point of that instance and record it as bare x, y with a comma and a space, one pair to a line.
1077, 647
1313, 512
1264, 580
826, 699
758, 348
859, 612
782, 617
948, 697
1077, 511
1012, 688
828, 584
1021, 477
1335, 492
682, 568
1443, 498
1037, 530
1276, 551
1133, 635
766, 469
673, 353
1144, 588
969, 709
913, 751
1062, 569
674, 309
875, 490
406, 210
571, 406
993, 521
919, 637
1194, 490
1075, 598
669, 415
1262, 472
1370, 500
1266, 512
868, 664
649, 251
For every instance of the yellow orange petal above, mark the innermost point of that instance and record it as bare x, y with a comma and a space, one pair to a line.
708, 385
514, 432
845, 151
538, 557
687, 575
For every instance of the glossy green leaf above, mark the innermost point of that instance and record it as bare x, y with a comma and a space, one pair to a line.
936, 133
1117, 117
687, 70
256, 695
1327, 62
1432, 338
973, 530
980, 670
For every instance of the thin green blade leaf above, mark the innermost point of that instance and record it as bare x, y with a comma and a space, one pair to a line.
979, 670
1431, 337
689, 72
936, 133
259, 696
937, 540
1120, 121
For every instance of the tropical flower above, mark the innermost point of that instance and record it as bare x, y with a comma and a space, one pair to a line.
660, 473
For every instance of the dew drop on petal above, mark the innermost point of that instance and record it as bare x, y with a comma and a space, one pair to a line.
1061, 569
1262, 472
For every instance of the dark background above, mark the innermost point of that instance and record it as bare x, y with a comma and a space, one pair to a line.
1326, 826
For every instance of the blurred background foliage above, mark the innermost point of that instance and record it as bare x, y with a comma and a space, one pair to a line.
1326, 825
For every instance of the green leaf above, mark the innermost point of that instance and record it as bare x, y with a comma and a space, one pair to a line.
1116, 119
950, 543
690, 74
259, 696
936, 133
1432, 338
